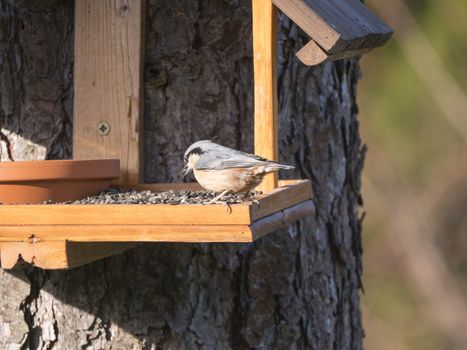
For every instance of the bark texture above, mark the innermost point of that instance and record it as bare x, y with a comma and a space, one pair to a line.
294, 289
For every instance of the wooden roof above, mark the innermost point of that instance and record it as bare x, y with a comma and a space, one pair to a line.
338, 28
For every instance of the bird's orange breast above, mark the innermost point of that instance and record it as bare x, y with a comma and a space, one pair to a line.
234, 179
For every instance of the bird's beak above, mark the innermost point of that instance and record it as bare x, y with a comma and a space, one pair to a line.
185, 170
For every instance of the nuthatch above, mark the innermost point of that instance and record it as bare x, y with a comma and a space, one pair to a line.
222, 169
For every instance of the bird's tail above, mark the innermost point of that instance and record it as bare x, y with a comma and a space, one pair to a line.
269, 167
283, 166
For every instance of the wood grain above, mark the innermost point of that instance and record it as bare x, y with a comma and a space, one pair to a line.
56, 254
127, 214
107, 82
129, 233
337, 25
265, 85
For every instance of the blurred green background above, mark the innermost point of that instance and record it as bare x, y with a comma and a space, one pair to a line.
413, 110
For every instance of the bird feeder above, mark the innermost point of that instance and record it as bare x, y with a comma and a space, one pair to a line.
108, 112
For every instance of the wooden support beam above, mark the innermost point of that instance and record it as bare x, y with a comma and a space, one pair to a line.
108, 83
56, 254
312, 54
265, 85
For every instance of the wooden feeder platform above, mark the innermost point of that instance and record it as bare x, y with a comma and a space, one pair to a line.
40, 233
108, 123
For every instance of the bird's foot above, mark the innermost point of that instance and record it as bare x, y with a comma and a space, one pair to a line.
218, 200
227, 205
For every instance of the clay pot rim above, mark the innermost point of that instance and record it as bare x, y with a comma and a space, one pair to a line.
68, 169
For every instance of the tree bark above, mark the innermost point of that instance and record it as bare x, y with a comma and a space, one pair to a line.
297, 288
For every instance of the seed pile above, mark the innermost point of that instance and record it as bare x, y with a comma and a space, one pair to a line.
118, 196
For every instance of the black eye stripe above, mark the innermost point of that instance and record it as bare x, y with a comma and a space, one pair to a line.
196, 150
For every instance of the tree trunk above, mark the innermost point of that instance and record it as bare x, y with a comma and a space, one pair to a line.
297, 288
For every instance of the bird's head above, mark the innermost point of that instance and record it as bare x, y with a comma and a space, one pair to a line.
193, 153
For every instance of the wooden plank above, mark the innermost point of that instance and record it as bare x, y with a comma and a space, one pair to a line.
128, 233
337, 25
312, 54
107, 83
56, 254
311, 23
265, 85
281, 198
281, 219
126, 214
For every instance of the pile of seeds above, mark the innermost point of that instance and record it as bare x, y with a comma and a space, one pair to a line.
118, 196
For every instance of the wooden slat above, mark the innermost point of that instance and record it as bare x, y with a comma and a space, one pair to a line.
265, 85
337, 25
127, 214
281, 219
128, 233
56, 254
107, 82
281, 198
158, 233
312, 54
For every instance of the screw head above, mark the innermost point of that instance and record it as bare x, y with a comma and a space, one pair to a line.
103, 128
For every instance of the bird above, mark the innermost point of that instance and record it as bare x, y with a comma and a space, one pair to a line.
225, 170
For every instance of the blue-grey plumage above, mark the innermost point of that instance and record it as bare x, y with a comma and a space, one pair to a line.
222, 169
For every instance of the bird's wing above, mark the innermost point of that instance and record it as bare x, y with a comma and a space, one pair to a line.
227, 161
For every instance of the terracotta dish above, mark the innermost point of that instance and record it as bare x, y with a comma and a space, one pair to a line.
56, 180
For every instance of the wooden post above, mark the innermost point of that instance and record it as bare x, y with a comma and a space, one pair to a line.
108, 83
265, 85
